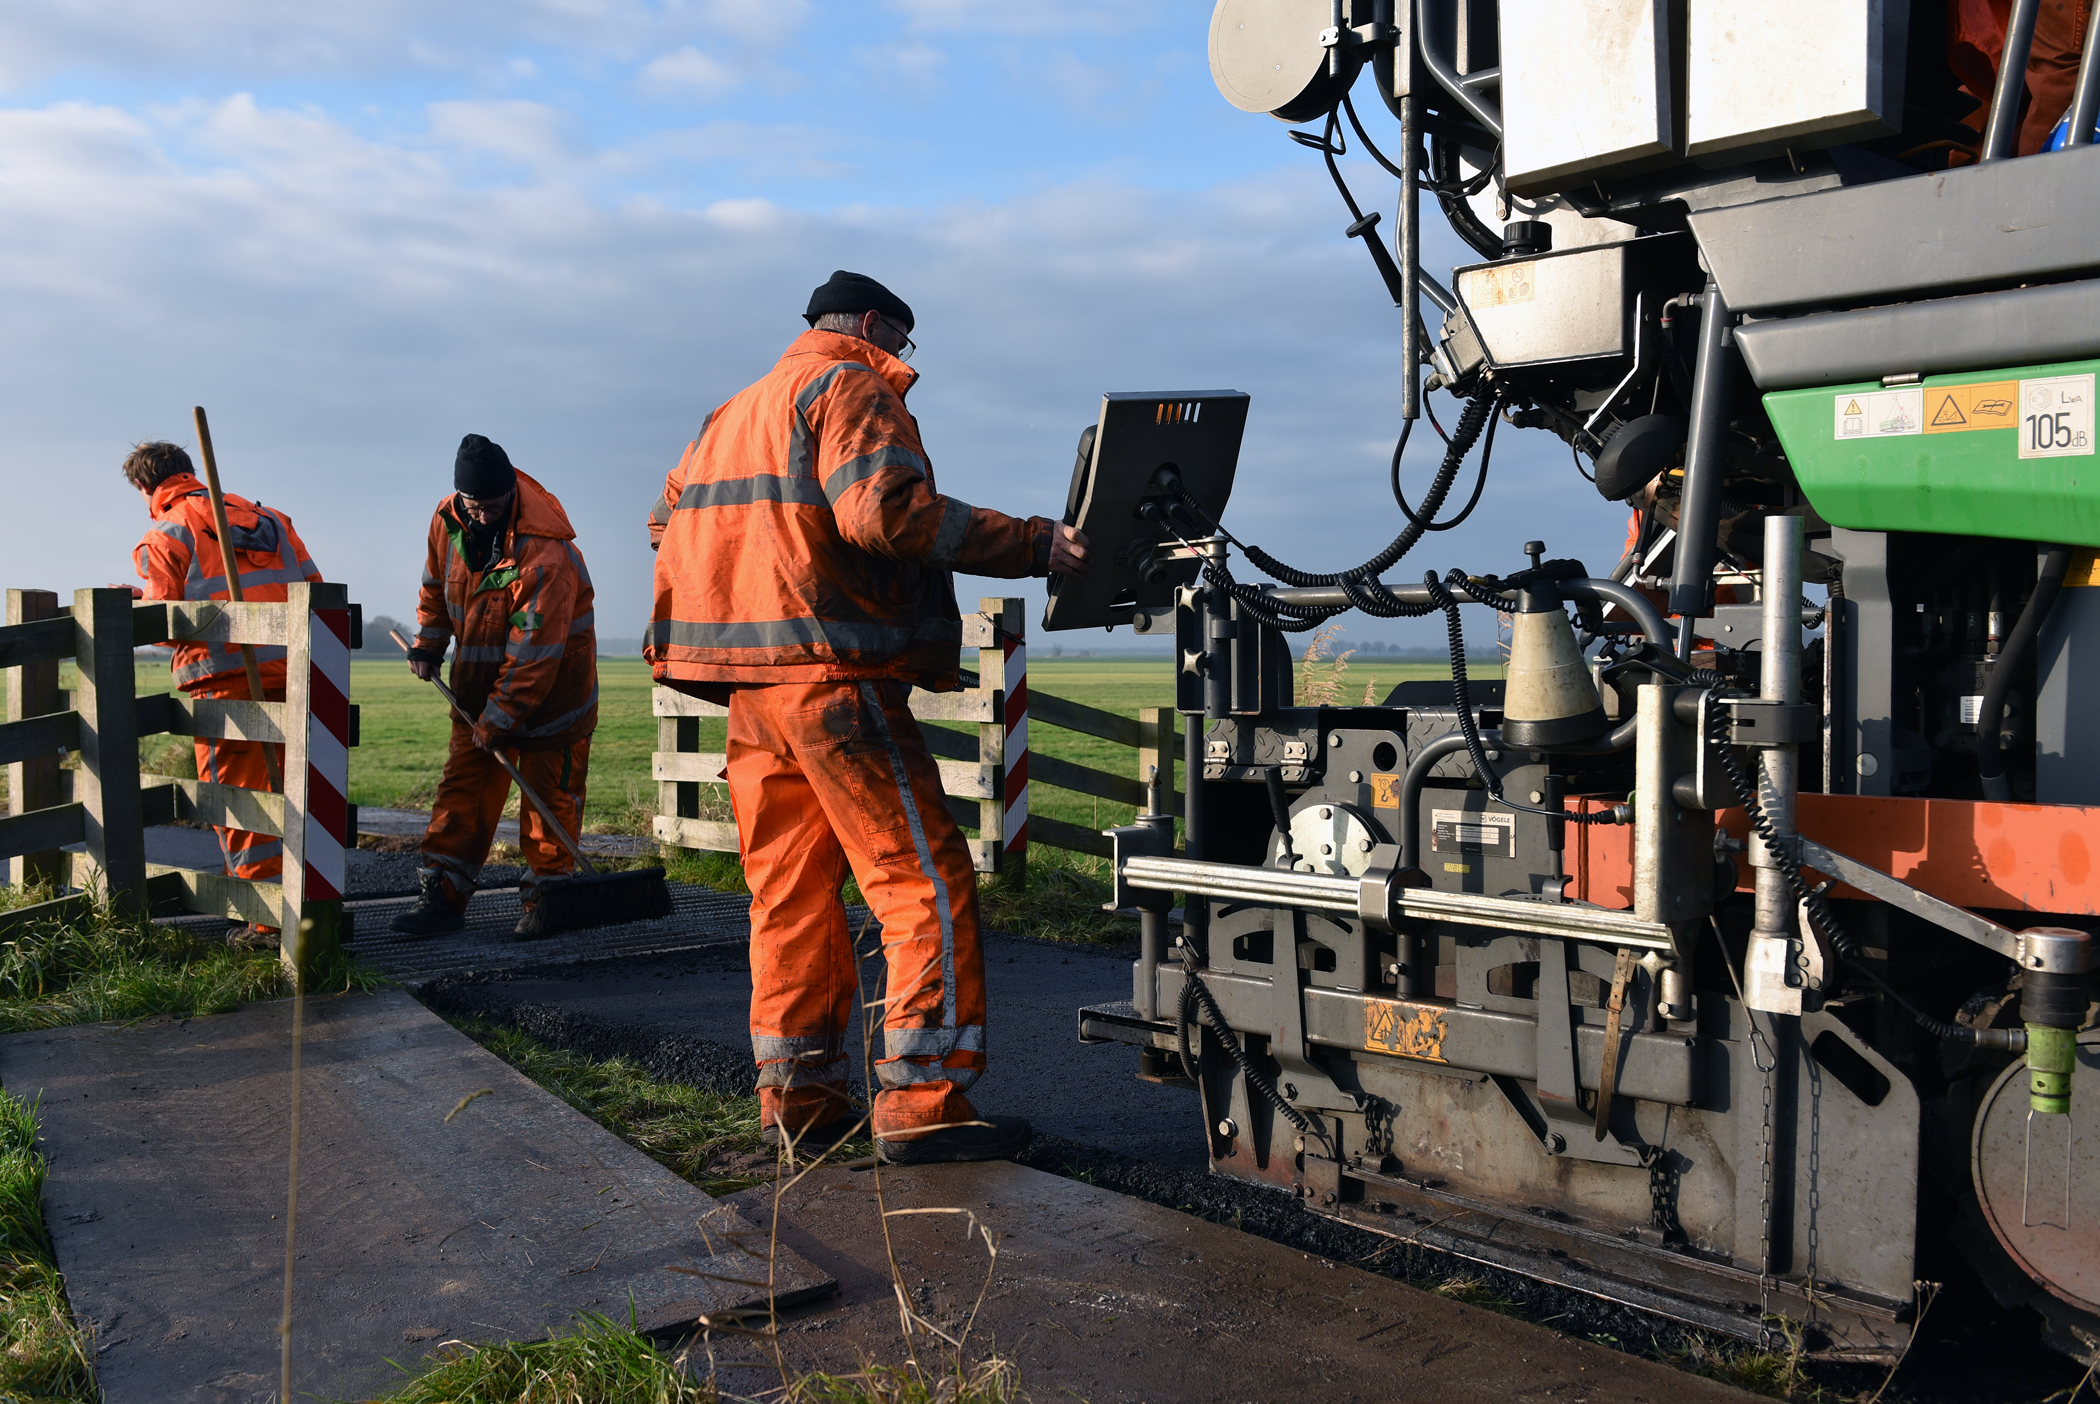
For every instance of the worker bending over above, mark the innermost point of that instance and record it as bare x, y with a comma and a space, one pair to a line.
503, 579
180, 559
803, 576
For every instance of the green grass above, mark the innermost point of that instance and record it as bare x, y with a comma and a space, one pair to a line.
111, 968
599, 1362
44, 1355
705, 1137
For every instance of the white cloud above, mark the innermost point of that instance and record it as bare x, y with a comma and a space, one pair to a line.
1062, 17
689, 72
903, 71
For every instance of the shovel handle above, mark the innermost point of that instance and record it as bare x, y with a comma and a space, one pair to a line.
233, 576
504, 761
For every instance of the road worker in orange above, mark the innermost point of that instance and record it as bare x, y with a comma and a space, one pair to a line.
502, 579
803, 576
179, 559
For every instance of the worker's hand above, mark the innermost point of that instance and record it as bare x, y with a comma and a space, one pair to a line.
487, 737
1067, 550
423, 669
136, 592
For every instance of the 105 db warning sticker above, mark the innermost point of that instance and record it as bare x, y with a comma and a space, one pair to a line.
2053, 415
1470, 831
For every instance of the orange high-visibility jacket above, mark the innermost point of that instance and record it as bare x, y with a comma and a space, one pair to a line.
801, 538
179, 559
527, 664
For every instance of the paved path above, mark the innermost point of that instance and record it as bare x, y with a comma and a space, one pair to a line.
167, 1145
1103, 1298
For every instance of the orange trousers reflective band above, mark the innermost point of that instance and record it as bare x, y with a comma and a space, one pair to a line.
830, 775
470, 801
256, 857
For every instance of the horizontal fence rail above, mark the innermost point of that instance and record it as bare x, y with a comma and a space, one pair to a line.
103, 803
987, 777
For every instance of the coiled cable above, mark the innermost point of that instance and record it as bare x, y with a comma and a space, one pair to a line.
1257, 1080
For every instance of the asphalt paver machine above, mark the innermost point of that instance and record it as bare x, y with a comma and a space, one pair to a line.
1731, 955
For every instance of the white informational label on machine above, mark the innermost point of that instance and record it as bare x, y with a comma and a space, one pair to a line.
1881, 414
2056, 416
1470, 831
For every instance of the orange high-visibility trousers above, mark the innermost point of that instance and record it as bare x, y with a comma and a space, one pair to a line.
470, 801
830, 775
256, 857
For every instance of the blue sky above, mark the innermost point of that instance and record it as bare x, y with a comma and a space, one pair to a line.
356, 232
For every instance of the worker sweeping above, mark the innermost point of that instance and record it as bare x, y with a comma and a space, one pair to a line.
183, 557
803, 576
503, 580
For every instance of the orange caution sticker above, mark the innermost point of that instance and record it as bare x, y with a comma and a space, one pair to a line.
2085, 568
1385, 792
1406, 1030
1955, 409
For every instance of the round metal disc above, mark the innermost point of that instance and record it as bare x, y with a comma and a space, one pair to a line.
1265, 56
1334, 839
2058, 1249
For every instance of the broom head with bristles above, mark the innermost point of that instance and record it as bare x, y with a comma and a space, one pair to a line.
579, 901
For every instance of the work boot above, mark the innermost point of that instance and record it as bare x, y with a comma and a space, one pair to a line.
433, 914
1005, 1138
253, 937
528, 927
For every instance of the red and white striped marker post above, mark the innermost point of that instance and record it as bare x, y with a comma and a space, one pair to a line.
1005, 667
316, 774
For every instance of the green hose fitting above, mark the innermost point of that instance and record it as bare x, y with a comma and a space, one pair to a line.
2051, 1053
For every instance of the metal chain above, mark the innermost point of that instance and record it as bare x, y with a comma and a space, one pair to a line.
1815, 1191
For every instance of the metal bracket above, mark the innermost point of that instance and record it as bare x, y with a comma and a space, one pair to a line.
1757, 721
1897, 893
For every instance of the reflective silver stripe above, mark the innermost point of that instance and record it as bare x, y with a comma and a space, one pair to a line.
464, 871
199, 587
224, 658
583, 622
801, 456
251, 855
583, 574
790, 633
497, 718
429, 579
432, 631
760, 487
855, 470
533, 653
567, 719
871, 698
948, 541
903, 1074
478, 653
932, 1043
176, 530
793, 1074
811, 1048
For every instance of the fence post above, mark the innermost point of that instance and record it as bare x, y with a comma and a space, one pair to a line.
32, 691
107, 784
316, 728
1159, 735
1003, 667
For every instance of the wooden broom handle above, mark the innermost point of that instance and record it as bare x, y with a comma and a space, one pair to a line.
233, 579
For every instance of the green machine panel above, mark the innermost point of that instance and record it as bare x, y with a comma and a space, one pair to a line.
2006, 453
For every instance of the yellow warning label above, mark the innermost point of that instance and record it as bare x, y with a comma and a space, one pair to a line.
1498, 286
2085, 568
1953, 409
1385, 792
1408, 1030
1852, 407
1458, 867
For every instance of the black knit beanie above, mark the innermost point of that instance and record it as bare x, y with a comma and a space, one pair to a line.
481, 469
857, 292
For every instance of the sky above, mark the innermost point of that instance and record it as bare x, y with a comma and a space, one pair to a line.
355, 232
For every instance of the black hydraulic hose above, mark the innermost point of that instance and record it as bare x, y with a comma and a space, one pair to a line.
1990, 757
1487, 453
1443, 170
1257, 1080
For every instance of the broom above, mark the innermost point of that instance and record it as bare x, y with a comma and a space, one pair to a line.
587, 899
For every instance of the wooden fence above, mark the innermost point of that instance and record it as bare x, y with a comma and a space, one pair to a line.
104, 803
987, 778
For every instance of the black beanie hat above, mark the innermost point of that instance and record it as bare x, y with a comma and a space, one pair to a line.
481, 469
857, 292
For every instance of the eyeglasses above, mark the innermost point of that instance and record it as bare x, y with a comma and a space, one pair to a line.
486, 506
904, 352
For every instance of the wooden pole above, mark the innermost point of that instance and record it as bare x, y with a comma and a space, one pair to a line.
233, 579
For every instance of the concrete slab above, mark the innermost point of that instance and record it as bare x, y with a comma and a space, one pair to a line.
1099, 1297
167, 1142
